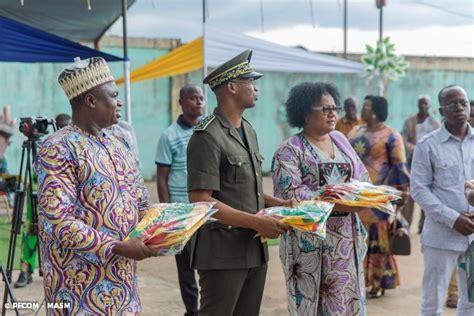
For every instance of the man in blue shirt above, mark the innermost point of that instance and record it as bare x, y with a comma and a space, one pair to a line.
442, 162
171, 179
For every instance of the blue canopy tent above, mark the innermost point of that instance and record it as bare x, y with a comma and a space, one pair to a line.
77, 20
23, 43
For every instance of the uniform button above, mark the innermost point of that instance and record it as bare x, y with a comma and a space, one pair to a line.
239, 164
258, 194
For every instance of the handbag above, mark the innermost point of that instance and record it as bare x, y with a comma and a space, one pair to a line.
400, 243
399, 232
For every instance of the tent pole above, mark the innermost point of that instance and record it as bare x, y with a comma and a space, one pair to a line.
345, 29
126, 64
204, 68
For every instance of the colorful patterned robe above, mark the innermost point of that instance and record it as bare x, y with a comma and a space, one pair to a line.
90, 195
323, 277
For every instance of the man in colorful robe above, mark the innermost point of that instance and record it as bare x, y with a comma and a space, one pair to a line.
90, 197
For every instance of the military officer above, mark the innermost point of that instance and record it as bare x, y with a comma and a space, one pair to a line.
224, 166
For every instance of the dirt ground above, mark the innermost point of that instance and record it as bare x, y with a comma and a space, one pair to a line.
160, 296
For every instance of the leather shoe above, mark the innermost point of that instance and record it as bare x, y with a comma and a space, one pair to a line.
23, 279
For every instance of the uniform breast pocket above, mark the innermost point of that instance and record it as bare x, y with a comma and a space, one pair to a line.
447, 173
238, 169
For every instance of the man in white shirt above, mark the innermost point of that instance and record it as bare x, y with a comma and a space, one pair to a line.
443, 162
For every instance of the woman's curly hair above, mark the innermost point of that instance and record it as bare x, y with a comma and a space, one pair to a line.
303, 97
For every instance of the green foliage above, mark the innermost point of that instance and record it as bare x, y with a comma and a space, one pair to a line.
383, 64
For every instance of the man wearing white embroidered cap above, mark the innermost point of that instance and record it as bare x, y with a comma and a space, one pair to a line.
90, 196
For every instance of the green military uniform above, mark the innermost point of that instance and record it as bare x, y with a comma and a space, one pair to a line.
221, 162
230, 261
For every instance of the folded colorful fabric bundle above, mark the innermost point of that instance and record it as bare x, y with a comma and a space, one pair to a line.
308, 216
362, 194
169, 226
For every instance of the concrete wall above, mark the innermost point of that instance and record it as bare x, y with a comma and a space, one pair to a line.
32, 90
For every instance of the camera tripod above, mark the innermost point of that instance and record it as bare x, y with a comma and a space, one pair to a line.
8, 292
24, 188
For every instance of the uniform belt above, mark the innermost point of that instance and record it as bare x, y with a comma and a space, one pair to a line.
339, 214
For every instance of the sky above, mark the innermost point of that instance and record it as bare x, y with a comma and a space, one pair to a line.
417, 27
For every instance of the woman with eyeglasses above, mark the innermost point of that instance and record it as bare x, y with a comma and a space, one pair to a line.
323, 277
382, 151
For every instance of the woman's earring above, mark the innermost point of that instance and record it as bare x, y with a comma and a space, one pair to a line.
374, 116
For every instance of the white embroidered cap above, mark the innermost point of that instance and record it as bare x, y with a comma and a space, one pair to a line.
84, 75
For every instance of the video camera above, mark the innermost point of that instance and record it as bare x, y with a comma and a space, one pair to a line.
35, 127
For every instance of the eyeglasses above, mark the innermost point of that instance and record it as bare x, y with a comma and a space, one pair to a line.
327, 110
454, 105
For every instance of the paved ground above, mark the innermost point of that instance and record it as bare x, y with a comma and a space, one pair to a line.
159, 290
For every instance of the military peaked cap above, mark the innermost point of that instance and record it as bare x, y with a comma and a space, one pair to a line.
237, 67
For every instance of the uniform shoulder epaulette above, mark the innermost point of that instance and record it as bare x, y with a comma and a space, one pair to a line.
205, 123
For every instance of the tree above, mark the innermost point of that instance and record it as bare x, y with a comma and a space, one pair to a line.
383, 64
